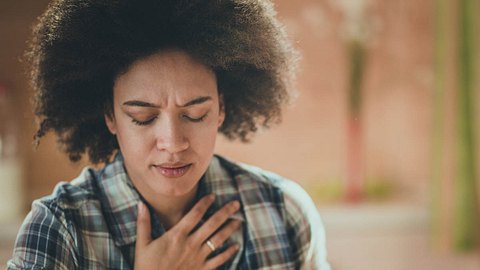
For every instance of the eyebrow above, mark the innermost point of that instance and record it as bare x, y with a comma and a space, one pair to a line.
195, 101
139, 103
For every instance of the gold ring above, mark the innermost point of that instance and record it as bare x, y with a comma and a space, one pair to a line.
211, 245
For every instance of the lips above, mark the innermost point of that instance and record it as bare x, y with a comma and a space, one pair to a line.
172, 170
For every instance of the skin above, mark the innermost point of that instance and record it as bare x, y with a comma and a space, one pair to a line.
166, 115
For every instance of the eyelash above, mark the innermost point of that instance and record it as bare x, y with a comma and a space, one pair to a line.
149, 121
196, 120
143, 123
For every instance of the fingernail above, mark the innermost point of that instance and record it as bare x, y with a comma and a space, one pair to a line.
211, 197
236, 246
141, 208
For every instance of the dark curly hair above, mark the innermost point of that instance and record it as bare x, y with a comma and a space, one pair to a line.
79, 48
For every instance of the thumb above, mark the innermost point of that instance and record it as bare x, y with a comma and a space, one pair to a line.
144, 227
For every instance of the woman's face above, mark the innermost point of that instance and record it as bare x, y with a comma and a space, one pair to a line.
167, 112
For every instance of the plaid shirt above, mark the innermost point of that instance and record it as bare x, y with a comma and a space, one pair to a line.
90, 223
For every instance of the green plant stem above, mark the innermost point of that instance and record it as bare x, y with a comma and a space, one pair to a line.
466, 214
355, 181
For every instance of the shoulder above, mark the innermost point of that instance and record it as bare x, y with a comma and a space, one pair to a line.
69, 205
43, 241
67, 197
296, 202
244, 171
73, 194
295, 196
300, 216
46, 237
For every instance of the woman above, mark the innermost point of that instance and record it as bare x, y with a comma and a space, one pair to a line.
143, 87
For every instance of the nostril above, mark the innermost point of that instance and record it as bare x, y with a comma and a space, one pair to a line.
172, 145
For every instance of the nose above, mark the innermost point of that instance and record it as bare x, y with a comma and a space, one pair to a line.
170, 137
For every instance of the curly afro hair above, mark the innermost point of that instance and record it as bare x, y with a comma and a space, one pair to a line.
79, 48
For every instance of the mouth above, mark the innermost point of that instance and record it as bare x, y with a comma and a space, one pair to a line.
172, 170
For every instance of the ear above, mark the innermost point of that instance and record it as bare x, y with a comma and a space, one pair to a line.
110, 121
221, 116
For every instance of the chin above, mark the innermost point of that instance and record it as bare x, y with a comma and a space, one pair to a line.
174, 186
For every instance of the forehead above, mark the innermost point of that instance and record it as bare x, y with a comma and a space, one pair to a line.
166, 74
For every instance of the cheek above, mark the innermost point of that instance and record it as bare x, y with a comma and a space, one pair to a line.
203, 139
132, 141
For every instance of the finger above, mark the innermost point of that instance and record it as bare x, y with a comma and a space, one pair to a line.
221, 258
219, 238
144, 229
215, 221
191, 219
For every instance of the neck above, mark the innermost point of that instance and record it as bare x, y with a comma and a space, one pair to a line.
171, 209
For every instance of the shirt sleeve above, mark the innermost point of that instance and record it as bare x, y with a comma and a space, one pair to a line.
43, 242
305, 226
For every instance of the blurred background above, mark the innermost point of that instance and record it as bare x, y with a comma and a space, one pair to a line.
383, 134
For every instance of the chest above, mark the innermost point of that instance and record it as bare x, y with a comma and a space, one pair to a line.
265, 242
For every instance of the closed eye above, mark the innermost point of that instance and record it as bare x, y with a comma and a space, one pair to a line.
196, 120
143, 123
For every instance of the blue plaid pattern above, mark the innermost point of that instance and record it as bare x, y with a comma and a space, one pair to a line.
90, 223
